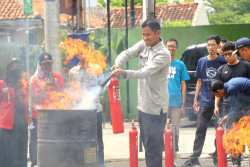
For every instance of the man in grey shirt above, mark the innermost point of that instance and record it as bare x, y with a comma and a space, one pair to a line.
154, 61
89, 83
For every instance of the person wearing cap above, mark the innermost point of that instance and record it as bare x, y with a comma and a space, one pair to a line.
42, 83
242, 47
13, 117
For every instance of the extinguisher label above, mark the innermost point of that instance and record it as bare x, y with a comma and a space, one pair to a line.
117, 95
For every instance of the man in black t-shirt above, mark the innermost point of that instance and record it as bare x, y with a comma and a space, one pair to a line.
233, 68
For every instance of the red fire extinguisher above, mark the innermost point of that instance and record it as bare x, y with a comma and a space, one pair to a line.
115, 105
169, 153
222, 156
133, 146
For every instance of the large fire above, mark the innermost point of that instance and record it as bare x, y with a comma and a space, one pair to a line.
237, 137
94, 60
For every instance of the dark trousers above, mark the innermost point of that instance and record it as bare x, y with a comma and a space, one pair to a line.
33, 144
99, 138
13, 146
203, 119
152, 130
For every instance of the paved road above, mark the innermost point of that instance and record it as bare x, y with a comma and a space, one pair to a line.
205, 162
116, 146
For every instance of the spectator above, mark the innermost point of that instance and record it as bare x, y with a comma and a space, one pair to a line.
223, 41
238, 92
177, 75
154, 61
88, 80
42, 82
205, 72
243, 48
233, 68
13, 117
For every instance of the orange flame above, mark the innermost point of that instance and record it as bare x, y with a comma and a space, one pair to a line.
72, 47
77, 47
237, 137
63, 100
56, 100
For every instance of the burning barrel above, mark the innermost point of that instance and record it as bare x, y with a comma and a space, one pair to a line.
67, 138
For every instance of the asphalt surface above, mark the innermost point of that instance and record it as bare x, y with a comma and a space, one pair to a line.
116, 146
205, 162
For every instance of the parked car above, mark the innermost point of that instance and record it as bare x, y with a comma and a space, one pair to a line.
190, 58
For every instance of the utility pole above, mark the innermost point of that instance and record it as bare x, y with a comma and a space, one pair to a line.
52, 32
132, 13
84, 15
79, 17
148, 9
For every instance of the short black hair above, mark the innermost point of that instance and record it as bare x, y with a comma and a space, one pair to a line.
214, 37
224, 40
216, 85
171, 39
228, 46
153, 24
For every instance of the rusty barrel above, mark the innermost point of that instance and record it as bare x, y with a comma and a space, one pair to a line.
67, 138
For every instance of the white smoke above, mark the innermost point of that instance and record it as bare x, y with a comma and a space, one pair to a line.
89, 99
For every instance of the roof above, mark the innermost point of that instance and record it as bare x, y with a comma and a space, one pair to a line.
9, 10
170, 11
12, 10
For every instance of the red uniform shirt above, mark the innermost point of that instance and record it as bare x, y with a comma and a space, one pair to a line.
7, 105
39, 85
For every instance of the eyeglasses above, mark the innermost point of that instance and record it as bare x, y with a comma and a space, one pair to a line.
171, 46
228, 54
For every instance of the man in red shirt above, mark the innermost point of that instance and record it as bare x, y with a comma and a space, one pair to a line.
13, 117
42, 83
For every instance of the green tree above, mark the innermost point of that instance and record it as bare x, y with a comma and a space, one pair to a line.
178, 23
228, 11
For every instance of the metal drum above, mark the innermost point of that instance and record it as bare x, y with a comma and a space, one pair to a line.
67, 138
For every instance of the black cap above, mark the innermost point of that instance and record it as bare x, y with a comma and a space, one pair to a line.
13, 60
44, 57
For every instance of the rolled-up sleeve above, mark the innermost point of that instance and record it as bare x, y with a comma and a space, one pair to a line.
129, 54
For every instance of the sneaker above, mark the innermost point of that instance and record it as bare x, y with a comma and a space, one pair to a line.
194, 163
215, 160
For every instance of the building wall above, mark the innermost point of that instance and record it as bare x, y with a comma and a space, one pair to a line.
200, 17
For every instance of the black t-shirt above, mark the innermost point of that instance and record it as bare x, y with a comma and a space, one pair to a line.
227, 72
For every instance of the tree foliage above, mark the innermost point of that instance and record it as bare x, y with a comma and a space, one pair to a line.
178, 23
228, 11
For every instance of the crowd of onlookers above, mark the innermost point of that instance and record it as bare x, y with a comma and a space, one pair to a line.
224, 88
